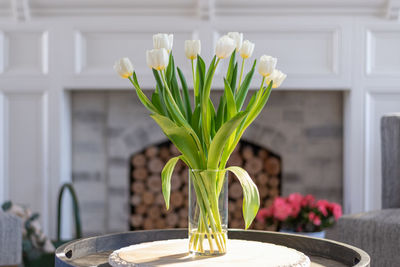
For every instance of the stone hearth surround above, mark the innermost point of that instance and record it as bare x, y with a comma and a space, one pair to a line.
305, 128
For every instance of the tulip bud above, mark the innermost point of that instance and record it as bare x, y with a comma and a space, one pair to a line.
247, 49
266, 65
225, 47
163, 40
277, 77
157, 58
124, 67
238, 37
192, 48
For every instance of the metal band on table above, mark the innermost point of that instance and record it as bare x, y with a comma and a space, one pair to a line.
78, 253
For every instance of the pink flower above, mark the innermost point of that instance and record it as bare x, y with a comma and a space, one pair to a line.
282, 209
308, 200
295, 200
314, 218
322, 206
317, 221
336, 210
295, 211
263, 214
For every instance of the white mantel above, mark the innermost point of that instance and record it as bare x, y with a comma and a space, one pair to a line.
48, 48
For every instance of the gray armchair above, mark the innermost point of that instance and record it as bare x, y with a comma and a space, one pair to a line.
378, 232
10, 239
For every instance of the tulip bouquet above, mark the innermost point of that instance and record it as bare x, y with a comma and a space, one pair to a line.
206, 135
300, 213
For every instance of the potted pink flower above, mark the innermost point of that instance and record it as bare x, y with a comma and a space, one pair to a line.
301, 214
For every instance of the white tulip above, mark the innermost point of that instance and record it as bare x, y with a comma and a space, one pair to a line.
247, 49
163, 40
238, 37
157, 58
277, 77
266, 65
225, 47
124, 67
192, 48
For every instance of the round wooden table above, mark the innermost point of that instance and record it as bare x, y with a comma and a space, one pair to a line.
94, 251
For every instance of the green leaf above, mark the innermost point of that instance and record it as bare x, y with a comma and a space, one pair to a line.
200, 72
221, 137
181, 138
211, 114
196, 122
176, 93
158, 80
220, 113
231, 66
155, 99
244, 88
251, 197
230, 100
234, 79
170, 67
166, 175
186, 97
142, 97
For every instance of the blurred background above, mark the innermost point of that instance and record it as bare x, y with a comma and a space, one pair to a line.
65, 116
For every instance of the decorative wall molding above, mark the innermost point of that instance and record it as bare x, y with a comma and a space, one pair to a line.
24, 52
393, 9
206, 9
20, 10
383, 57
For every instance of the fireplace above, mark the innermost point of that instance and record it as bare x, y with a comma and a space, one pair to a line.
303, 129
147, 207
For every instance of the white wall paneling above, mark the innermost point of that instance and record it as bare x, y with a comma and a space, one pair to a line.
377, 105
96, 51
25, 52
25, 152
314, 55
383, 52
3, 163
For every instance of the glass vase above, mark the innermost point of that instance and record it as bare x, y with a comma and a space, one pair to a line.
208, 212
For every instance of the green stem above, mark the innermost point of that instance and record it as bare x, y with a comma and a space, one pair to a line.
196, 92
241, 73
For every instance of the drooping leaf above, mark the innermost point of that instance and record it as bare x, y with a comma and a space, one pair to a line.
218, 143
251, 197
166, 175
142, 97
181, 139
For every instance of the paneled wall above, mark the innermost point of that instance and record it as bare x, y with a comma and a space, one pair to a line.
321, 48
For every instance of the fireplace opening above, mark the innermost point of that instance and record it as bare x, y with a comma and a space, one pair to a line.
147, 207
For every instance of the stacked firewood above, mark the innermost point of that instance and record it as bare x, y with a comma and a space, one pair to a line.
147, 203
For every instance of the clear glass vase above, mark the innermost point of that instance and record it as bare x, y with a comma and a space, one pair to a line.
208, 212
